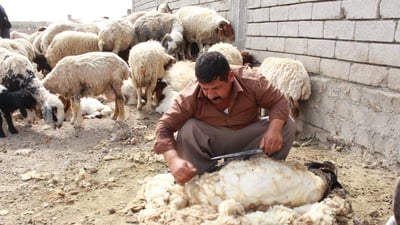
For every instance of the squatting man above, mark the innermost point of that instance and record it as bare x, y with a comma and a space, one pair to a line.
217, 114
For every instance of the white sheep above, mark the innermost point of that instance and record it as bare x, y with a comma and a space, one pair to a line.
70, 43
89, 74
259, 190
168, 96
290, 77
57, 27
231, 53
19, 45
180, 74
163, 27
129, 92
135, 16
116, 36
29, 37
204, 26
147, 61
91, 108
17, 72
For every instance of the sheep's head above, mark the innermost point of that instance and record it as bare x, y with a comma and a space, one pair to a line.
53, 111
225, 31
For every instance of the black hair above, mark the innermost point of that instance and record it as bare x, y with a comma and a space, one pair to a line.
210, 66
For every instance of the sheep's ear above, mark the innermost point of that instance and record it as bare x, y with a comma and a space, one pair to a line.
47, 113
165, 39
221, 24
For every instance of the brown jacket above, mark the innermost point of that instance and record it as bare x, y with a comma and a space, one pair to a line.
250, 92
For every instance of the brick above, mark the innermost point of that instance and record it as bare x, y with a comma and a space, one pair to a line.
335, 68
275, 44
300, 11
385, 54
268, 3
268, 29
258, 15
361, 9
288, 29
253, 29
310, 63
353, 51
368, 74
327, 10
375, 30
397, 34
390, 8
394, 79
253, 4
258, 43
294, 45
279, 13
323, 48
311, 29
339, 30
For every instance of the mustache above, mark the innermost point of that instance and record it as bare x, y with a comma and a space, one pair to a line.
216, 98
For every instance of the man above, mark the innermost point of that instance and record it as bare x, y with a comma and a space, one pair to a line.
219, 114
5, 25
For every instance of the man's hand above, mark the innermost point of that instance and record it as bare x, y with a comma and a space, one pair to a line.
181, 169
272, 140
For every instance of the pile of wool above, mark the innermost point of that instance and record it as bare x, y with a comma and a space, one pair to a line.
259, 190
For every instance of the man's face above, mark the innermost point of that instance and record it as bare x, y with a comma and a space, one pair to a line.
217, 91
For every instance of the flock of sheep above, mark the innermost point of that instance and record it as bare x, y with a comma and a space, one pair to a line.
145, 59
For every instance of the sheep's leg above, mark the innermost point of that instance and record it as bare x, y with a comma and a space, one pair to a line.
139, 97
76, 109
119, 113
1, 127
149, 95
30, 117
10, 124
119, 104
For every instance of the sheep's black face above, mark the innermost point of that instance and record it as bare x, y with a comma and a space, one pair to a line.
50, 116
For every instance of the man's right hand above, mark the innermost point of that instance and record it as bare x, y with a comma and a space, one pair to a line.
181, 169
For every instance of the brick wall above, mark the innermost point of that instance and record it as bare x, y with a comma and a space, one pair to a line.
351, 49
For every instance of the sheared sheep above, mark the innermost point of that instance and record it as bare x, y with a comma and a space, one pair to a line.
10, 101
289, 76
148, 61
231, 53
163, 27
258, 190
395, 219
203, 26
70, 43
89, 74
116, 36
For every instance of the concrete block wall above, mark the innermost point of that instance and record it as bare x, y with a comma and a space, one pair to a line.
351, 49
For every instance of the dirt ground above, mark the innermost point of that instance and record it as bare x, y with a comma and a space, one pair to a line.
88, 176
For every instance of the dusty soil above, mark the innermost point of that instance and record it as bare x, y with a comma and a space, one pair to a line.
88, 176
